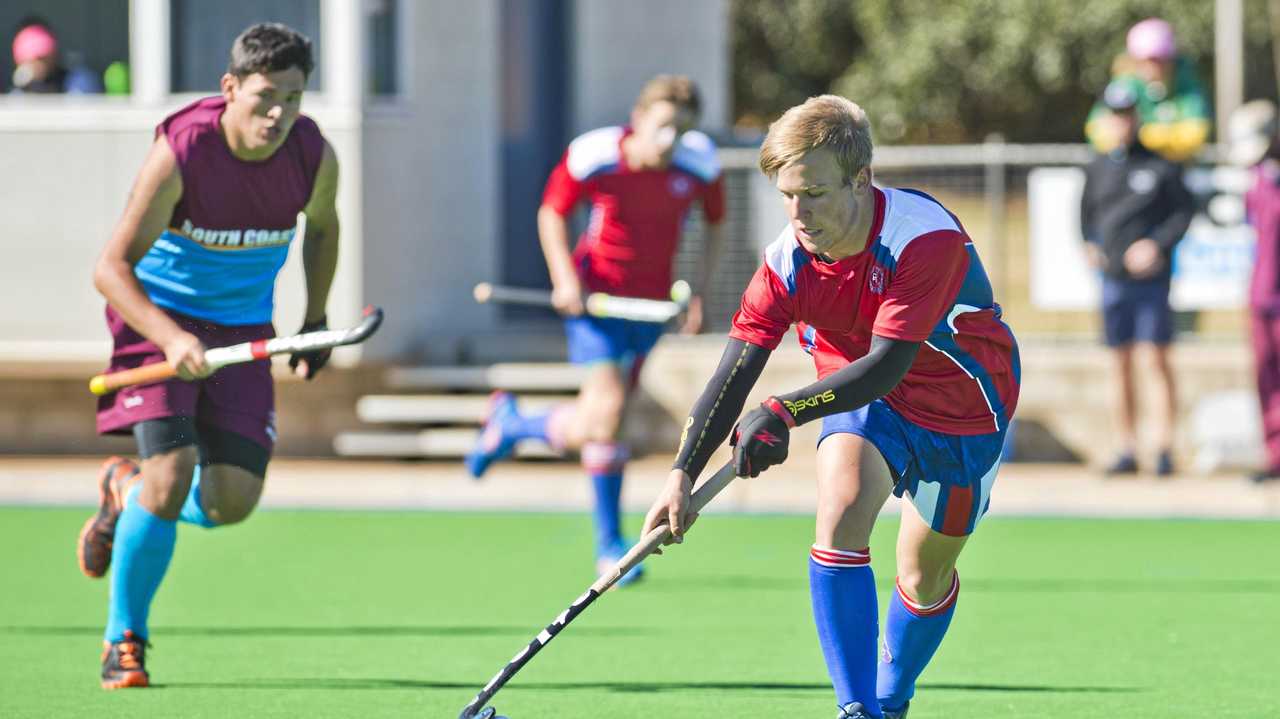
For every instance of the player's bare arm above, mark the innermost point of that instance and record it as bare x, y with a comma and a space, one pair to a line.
553, 234
155, 193
320, 245
319, 258
707, 264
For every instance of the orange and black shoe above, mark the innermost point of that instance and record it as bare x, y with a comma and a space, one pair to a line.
124, 663
93, 549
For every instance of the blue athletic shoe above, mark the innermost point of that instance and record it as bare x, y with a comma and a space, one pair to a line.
898, 714
493, 443
606, 559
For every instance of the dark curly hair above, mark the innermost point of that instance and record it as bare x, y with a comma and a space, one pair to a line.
270, 47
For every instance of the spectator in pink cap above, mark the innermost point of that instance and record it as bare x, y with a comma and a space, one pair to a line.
37, 65
1172, 108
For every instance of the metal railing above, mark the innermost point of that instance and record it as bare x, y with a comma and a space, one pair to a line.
983, 184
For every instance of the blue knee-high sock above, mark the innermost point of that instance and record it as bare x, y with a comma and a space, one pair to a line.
843, 590
193, 509
604, 462
912, 634
606, 511
139, 558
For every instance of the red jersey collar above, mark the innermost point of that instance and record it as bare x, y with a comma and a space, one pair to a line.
623, 166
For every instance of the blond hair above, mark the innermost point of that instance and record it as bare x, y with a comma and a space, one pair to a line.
828, 121
675, 89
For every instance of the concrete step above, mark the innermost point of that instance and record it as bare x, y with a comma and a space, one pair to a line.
436, 409
514, 377
428, 443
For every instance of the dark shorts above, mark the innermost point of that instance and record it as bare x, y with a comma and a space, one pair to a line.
239, 398
948, 477
1136, 311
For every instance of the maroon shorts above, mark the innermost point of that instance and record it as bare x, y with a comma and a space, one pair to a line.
238, 398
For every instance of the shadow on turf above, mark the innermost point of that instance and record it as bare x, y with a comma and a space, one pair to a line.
1142, 586
366, 631
620, 687
1053, 585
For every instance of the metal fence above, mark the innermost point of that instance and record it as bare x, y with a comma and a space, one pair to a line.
984, 185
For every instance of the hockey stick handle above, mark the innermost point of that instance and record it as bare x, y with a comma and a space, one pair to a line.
486, 292
219, 357
146, 374
656, 536
597, 304
642, 549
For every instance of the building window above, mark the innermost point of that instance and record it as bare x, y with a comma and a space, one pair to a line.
202, 34
384, 45
86, 36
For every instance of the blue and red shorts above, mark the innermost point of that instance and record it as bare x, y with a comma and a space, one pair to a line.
608, 339
948, 477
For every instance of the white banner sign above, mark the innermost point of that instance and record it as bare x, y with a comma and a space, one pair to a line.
1211, 265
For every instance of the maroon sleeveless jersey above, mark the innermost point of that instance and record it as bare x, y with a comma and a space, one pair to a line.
229, 234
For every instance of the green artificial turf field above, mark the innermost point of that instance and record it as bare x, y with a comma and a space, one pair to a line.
356, 614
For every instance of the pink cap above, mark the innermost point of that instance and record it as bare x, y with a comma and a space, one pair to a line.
33, 41
1151, 39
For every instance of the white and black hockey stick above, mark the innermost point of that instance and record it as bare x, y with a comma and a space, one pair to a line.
598, 304
642, 549
218, 357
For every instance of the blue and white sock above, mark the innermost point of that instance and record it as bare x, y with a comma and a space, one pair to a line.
139, 558
912, 633
604, 463
843, 589
549, 425
193, 509
534, 426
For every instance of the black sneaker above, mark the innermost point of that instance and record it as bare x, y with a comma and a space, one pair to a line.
1164, 464
854, 710
1124, 464
1265, 476
899, 714
124, 663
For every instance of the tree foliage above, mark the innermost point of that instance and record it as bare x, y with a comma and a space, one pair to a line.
929, 71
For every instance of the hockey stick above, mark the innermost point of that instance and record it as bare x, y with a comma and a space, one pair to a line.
218, 357
598, 304
647, 544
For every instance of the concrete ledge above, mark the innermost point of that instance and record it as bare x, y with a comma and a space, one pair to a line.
1064, 403
1022, 489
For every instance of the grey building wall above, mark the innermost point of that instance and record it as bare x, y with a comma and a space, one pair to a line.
60, 193
432, 201
620, 44
420, 195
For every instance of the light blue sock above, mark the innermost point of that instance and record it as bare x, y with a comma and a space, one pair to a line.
843, 590
911, 636
139, 558
193, 509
